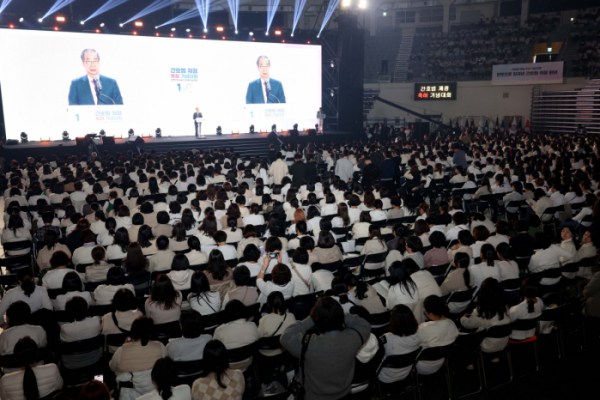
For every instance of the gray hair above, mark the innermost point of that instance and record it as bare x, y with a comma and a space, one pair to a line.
257, 61
92, 50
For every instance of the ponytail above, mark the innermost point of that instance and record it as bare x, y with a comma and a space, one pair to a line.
25, 276
530, 291
161, 375
530, 305
487, 253
25, 353
462, 260
361, 290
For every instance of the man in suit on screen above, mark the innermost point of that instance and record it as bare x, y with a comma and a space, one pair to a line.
93, 88
265, 89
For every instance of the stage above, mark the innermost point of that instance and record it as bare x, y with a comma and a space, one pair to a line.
246, 144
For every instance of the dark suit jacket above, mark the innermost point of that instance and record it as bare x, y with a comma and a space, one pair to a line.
311, 171
254, 95
197, 115
298, 172
80, 93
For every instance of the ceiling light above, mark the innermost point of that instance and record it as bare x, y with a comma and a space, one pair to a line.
21, 19
102, 25
277, 33
60, 19
40, 20
82, 22
251, 34
138, 23
173, 29
121, 25
188, 30
220, 29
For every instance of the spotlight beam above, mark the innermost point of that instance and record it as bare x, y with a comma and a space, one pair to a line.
330, 10
203, 7
4, 4
154, 6
234, 7
182, 17
298, 8
271, 10
57, 6
109, 5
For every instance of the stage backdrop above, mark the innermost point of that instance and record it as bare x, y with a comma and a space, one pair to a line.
149, 83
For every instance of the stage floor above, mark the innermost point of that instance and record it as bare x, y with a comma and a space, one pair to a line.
246, 144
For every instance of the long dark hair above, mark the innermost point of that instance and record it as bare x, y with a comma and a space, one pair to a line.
200, 287
400, 276
361, 286
164, 293
490, 301
487, 253
215, 357
163, 378
25, 276
530, 291
26, 353
462, 260
216, 265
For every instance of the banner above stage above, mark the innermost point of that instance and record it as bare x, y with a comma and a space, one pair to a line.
527, 74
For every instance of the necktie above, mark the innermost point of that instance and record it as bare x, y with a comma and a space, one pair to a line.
96, 89
267, 92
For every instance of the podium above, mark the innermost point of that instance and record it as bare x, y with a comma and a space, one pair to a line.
321, 118
199, 128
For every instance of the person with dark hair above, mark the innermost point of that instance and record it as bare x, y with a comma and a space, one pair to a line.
438, 331
361, 229
32, 381
124, 312
491, 310
501, 236
115, 279
133, 362
163, 379
250, 236
364, 295
83, 255
547, 256
81, 327
401, 339
51, 245
465, 240
98, 270
438, 254
301, 272
227, 250
94, 390
225, 383
460, 224
181, 274
530, 308
163, 258
274, 248
281, 280
163, 227
326, 249
15, 231
237, 331
509, 269
335, 339
375, 243
402, 289
276, 321
242, 292
17, 317
36, 297
195, 256
522, 242
189, 347
72, 286
202, 298
164, 303
487, 268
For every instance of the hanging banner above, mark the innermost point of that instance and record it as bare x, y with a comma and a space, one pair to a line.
527, 74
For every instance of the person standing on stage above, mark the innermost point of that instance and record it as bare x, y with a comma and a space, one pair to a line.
198, 125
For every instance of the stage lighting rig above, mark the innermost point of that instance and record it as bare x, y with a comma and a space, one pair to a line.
251, 128
102, 25
82, 22
65, 135
219, 130
158, 133
21, 19
24, 137
362, 4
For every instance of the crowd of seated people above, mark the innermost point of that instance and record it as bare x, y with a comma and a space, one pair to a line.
470, 50
585, 34
358, 231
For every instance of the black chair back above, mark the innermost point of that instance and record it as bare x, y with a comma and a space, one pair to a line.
499, 331
242, 353
301, 306
164, 332
400, 360
269, 343
198, 267
525, 324
53, 293
91, 286
186, 372
81, 267
116, 340
434, 353
81, 346
333, 267
232, 263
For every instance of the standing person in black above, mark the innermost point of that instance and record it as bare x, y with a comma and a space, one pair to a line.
298, 170
376, 157
198, 125
311, 169
370, 174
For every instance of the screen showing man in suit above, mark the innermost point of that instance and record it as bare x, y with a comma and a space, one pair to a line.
92, 88
265, 89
